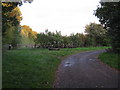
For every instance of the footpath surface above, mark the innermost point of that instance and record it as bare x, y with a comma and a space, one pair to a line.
84, 70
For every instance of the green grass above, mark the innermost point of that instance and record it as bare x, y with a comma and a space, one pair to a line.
110, 59
34, 68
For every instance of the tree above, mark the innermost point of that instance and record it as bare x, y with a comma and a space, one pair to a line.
56, 40
8, 7
49, 39
96, 35
11, 17
109, 16
11, 28
28, 36
77, 40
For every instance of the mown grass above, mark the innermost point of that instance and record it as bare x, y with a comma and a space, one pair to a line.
34, 68
111, 59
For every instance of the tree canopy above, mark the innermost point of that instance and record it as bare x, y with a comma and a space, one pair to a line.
11, 27
109, 16
96, 34
28, 36
11, 17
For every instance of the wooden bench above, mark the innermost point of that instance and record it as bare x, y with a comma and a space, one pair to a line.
109, 50
54, 48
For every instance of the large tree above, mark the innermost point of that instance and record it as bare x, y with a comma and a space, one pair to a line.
109, 15
11, 27
96, 35
11, 17
28, 36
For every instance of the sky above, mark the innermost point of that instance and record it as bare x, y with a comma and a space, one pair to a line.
67, 16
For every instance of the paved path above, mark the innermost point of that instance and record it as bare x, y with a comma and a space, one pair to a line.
84, 70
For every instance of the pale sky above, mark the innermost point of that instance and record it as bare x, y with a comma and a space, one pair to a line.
67, 16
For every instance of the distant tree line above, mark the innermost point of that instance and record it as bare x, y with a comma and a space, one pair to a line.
95, 36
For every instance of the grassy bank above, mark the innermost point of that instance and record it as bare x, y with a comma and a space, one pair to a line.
34, 68
110, 59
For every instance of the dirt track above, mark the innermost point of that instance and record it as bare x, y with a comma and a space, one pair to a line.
84, 70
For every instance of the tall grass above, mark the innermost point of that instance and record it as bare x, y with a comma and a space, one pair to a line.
110, 59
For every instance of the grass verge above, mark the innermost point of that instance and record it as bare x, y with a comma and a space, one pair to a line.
110, 59
34, 68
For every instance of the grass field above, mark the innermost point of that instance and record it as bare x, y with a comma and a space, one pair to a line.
110, 59
34, 68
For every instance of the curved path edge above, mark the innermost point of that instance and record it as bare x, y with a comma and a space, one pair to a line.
84, 70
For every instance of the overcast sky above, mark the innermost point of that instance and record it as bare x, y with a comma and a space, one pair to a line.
67, 16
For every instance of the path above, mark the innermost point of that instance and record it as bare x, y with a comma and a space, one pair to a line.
84, 70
